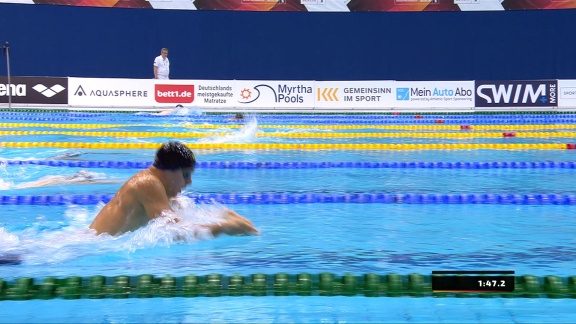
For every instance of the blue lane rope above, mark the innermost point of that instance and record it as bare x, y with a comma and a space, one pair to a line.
319, 120
306, 165
312, 198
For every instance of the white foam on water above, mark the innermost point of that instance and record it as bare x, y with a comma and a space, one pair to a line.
246, 134
56, 242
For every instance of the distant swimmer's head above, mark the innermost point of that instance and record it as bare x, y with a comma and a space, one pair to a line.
239, 116
83, 175
178, 163
179, 106
174, 155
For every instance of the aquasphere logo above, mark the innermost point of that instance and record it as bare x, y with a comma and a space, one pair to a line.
282, 94
516, 93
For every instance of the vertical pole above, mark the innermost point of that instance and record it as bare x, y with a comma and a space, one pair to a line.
7, 49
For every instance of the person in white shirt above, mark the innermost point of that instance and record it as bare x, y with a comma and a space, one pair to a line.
162, 65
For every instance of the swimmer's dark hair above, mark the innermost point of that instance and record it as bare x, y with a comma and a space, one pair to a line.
174, 155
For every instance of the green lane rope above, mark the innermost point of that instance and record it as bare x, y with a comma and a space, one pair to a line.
281, 284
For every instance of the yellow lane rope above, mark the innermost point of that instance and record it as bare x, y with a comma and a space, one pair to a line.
297, 126
297, 134
270, 146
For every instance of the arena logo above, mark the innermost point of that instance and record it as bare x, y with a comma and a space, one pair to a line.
517, 93
174, 93
284, 93
48, 92
15, 90
34, 90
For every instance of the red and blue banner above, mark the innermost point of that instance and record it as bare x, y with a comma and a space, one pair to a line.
319, 5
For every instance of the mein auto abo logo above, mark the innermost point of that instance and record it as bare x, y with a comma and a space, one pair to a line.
283, 94
426, 94
516, 93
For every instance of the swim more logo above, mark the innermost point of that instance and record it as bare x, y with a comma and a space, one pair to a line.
516, 93
174, 93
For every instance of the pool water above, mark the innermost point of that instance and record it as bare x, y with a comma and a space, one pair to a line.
403, 238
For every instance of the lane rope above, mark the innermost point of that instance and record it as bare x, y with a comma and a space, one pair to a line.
297, 146
314, 198
260, 284
306, 165
299, 134
301, 126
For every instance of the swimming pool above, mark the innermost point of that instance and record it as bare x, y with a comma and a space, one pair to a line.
331, 193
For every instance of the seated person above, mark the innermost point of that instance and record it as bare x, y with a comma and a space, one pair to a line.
147, 195
80, 177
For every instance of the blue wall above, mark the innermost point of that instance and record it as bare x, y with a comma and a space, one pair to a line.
103, 42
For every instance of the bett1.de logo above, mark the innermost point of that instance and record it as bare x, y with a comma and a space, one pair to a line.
174, 93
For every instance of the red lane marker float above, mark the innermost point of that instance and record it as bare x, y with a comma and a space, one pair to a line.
509, 134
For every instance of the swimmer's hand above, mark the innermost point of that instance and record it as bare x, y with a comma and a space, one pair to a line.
234, 224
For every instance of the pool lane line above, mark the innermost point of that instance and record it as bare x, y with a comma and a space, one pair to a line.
296, 146
467, 127
299, 134
286, 284
275, 198
305, 164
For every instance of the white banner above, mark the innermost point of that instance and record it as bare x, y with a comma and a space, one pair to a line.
215, 93
567, 93
110, 92
274, 94
347, 95
149, 93
434, 94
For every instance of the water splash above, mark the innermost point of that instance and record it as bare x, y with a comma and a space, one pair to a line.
5, 185
80, 177
246, 134
49, 242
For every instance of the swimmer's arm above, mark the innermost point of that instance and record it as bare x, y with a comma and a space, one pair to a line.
156, 202
233, 224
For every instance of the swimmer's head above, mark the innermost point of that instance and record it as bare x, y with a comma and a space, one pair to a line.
239, 116
174, 155
83, 175
179, 106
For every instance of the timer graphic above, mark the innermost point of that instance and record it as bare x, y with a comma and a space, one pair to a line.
473, 281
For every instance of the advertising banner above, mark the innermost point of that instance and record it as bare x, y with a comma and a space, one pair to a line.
111, 92
274, 94
526, 93
567, 93
434, 94
347, 95
34, 90
321, 5
215, 93
149, 92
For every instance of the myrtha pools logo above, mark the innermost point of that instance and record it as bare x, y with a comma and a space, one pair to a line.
283, 94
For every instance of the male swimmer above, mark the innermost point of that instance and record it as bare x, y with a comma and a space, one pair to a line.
80, 177
147, 196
